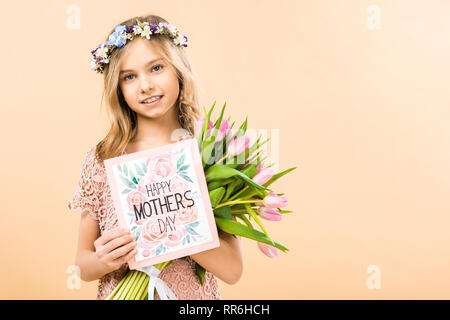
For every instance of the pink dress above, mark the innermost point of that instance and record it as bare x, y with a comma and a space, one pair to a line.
94, 195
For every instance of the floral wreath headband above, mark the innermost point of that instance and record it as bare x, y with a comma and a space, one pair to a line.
102, 54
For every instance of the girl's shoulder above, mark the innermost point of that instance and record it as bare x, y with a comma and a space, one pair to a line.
90, 154
91, 158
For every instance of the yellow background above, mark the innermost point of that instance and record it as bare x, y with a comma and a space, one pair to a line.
363, 114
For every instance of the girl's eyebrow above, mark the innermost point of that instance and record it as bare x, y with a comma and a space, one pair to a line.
150, 62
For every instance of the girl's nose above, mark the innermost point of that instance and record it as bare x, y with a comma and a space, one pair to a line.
146, 84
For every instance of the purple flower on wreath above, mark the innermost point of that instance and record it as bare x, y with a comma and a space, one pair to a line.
153, 28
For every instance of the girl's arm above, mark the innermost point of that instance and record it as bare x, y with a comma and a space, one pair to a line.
91, 269
97, 256
225, 261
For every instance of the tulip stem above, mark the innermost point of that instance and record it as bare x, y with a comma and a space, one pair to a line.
233, 197
226, 155
236, 202
238, 211
112, 294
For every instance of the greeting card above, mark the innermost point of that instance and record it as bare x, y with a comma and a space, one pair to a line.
161, 196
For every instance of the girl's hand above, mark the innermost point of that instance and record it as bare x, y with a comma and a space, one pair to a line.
114, 248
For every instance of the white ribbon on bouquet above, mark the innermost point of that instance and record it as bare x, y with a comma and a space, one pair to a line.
161, 287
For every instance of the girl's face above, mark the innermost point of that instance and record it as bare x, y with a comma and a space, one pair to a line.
144, 74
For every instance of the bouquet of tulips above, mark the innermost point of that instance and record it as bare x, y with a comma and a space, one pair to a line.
237, 185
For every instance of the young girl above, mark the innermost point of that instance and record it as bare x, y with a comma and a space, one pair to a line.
137, 70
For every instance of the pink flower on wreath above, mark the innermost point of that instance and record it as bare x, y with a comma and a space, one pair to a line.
164, 165
187, 214
135, 198
178, 184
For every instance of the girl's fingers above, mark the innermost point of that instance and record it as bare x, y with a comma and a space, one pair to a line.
110, 235
120, 252
124, 259
117, 242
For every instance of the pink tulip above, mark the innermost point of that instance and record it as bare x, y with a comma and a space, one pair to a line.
274, 201
199, 124
209, 129
238, 145
263, 175
259, 167
269, 214
268, 250
223, 130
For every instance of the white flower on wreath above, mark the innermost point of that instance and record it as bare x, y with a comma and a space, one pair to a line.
171, 29
179, 40
102, 51
137, 29
161, 29
146, 32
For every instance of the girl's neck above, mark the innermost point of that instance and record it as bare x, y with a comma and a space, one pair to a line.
153, 133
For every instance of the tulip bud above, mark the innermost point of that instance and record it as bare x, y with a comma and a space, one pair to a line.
268, 250
274, 201
263, 175
269, 214
238, 145
209, 129
259, 167
223, 130
199, 125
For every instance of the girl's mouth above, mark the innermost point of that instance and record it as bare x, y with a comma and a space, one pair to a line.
147, 102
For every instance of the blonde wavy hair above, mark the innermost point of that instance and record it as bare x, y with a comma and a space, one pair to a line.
123, 120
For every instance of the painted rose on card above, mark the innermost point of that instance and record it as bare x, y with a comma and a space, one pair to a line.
135, 198
163, 165
147, 180
175, 237
178, 184
187, 214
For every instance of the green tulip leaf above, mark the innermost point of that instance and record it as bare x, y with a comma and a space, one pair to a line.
236, 228
200, 271
277, 176
216, 196
219, 171
223, 212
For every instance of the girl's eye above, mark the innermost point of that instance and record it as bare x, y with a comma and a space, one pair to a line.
158, 66
129, 75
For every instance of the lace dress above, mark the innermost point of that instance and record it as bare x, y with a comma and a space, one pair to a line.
94, 195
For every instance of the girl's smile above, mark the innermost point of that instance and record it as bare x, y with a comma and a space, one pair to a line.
152, 101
